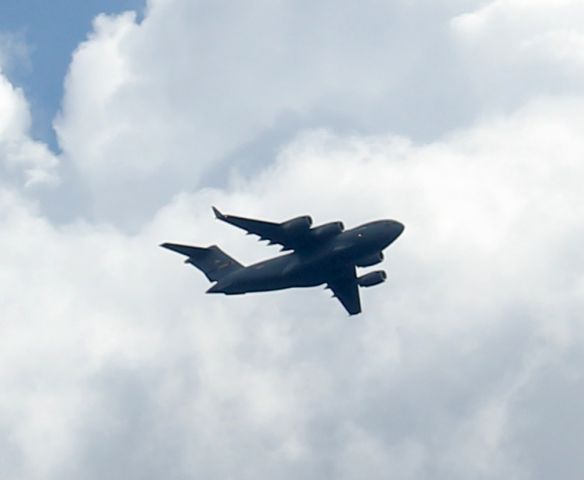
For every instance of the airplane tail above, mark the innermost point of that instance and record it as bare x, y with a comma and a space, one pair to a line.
212, 261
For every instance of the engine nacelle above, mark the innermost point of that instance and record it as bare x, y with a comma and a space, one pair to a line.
372, 278
298, 225
370, 260
327, 230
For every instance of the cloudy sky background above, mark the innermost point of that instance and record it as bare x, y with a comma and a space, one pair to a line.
462, 119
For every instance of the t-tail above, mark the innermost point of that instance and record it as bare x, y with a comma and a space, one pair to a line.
212, 261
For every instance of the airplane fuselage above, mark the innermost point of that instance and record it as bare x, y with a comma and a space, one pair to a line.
312, 266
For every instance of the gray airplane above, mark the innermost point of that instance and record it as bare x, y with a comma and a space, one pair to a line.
327, 254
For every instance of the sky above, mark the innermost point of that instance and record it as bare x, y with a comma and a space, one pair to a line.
37, 43
122, 123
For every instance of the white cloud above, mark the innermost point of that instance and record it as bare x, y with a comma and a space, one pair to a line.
22, 160
140, 372
113, 362
173, 102
516, 49
15, 115
151, 108
14, 52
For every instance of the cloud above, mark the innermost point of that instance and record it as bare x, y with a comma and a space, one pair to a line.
115, 364
23, 161
14, 52
137, 372
515, 50
196, 87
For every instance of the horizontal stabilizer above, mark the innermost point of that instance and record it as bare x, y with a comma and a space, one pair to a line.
212, 261
185, 249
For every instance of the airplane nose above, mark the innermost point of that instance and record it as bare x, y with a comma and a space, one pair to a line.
394, 229
399, 228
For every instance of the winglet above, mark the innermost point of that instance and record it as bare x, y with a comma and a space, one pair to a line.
218, 214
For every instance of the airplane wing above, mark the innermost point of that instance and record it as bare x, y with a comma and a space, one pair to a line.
274, 232
346, 289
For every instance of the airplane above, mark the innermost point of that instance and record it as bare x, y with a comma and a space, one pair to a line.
326, 254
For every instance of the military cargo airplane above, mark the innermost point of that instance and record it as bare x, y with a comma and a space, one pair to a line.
326, 254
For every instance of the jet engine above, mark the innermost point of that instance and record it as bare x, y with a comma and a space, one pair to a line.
372, 278
298, 225
370, 260
328, 230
